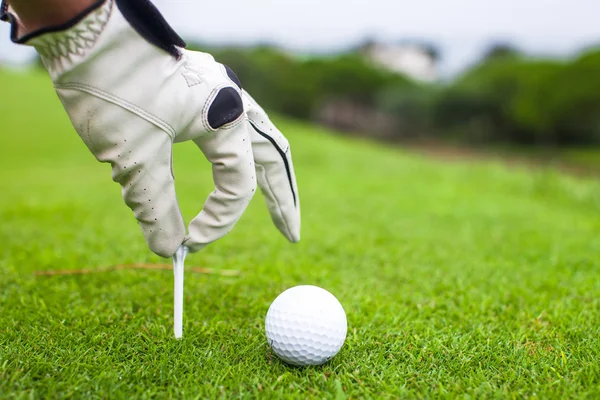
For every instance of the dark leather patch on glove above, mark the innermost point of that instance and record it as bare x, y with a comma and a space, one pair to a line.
144, 17
226, 108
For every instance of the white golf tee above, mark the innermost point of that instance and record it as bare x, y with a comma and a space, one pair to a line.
178, 271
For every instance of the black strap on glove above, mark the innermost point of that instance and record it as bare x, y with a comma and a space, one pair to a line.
145, 18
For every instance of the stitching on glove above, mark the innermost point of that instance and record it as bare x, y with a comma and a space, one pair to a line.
168, 129
283, 155
209, 101
281, 214
192, 76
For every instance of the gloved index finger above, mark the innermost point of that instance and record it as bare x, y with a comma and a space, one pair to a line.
230, 152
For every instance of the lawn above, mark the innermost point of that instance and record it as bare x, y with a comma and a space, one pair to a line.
462, 279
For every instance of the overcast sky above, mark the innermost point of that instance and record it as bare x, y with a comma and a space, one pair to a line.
462, 29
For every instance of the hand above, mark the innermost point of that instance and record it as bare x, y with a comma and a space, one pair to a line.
131, 90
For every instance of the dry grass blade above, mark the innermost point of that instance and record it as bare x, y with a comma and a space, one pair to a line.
160, 267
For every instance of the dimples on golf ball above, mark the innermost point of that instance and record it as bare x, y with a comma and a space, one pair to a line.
306, 325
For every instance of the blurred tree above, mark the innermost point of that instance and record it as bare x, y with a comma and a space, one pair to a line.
574, 108
500, 51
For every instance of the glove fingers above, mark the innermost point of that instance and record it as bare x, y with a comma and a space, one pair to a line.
275, 171
148, 188
140, 154
230, 152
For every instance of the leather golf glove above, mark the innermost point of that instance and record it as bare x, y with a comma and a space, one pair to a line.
131, 90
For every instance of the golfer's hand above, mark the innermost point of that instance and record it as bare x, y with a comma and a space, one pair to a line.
131, 91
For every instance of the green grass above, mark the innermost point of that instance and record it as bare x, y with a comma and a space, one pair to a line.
459, 280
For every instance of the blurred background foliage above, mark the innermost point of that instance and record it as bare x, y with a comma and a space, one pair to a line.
506, 98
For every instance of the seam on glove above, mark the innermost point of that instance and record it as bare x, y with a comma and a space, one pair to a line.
263, 171
164, 126
283, 155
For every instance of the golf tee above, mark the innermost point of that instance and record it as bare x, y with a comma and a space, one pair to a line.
178, 271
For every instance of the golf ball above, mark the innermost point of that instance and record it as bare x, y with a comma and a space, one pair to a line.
306, 325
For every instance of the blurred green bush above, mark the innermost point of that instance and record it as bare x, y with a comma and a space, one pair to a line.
517, 100
507, 98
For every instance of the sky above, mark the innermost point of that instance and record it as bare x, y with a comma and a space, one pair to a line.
461, 29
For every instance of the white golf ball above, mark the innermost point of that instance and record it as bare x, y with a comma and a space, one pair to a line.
306, 325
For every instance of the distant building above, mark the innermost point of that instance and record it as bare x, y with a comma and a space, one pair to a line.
415, 60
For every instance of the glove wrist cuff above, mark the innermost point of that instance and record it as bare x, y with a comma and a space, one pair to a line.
63, 42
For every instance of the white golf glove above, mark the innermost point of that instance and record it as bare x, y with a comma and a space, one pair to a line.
131, 90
